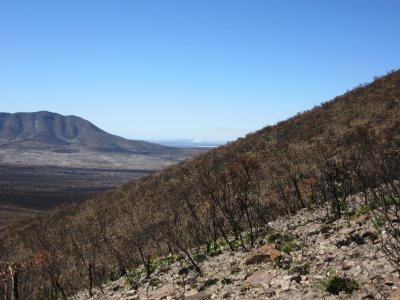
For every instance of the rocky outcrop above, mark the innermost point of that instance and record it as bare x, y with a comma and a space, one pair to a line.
321, 254
266, 253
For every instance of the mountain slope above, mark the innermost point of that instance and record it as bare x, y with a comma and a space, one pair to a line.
317, 158
47, 159
45, 129
312, 250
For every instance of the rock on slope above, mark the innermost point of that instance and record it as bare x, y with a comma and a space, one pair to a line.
348, 247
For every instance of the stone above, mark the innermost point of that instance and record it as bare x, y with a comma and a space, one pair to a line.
359, 219
348, 265
199, 296
131, 293
367, 296
270, 292
395, 295
266, 253
235, 269
296, 278
261, 277
161, 292
242, 274
354, 254
284, 283
329, 259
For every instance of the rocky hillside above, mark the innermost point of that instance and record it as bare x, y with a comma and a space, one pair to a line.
45, 129
347, 146
301, 257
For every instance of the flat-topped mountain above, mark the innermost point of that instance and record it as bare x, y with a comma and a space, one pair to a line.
44, 129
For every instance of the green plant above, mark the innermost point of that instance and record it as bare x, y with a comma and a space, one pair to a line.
278, 238
377, 221
226, 281
153, 264
133, 276
309, 199
284, 242
167, 260
343, 204
246, 238
335, 284
207, 284
373, 236
154, 281
385, 199
236, 244
282, 263
199, 257
273, 237
325, 228
390, 200
215, 247
116, 288
114, 275
287, 247
363, 210
300, 269
184, 271
352, 238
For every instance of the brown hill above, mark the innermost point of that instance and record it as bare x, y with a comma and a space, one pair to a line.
318, 157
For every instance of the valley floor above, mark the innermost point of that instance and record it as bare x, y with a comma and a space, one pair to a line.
43, 179
44, 187
316, 255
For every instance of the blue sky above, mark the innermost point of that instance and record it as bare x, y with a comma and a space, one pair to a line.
203, 70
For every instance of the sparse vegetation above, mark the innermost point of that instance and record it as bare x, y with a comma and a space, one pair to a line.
346, 147
363, 210
335, 284
282, 263
133, 277
215, 247
278, 238
300, 268
284, 242
376, 221
287, 247
208, 283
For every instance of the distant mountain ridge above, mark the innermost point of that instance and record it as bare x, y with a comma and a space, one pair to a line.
45, 129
